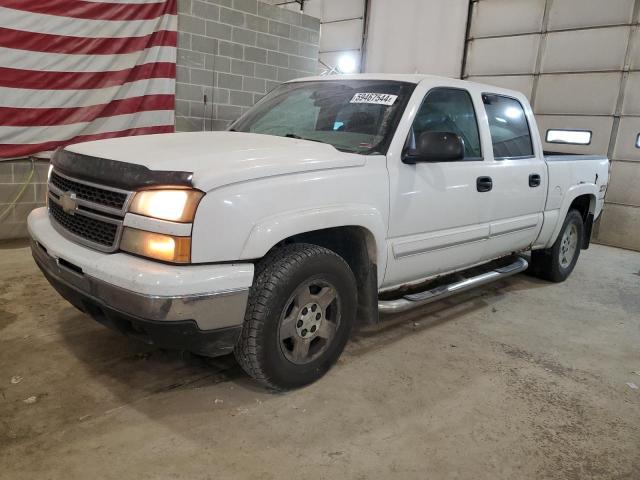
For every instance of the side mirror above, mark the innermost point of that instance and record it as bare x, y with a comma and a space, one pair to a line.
435, 147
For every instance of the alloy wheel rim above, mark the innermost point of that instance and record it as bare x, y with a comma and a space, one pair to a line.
568, 245
309, 321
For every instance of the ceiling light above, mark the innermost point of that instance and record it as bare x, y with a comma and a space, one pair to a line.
347, 63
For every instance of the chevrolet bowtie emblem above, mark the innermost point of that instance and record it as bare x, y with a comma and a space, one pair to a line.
68, 202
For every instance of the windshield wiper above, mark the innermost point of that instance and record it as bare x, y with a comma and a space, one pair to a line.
298, 137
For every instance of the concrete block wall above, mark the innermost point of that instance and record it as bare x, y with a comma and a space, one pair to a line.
15, 174
235, 51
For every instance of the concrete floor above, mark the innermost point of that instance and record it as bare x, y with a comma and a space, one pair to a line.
523, 379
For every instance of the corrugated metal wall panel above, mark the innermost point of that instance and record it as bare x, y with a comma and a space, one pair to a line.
516, 55
625, 148
634, 53
416, 36
599, 126
578, 93
619, 226
631, 103
584, 70
337, 10
343, 35
525, 16
565, 14
623, 188
594, 49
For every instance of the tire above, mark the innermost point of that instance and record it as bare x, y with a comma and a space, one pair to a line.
299, 315
556, 263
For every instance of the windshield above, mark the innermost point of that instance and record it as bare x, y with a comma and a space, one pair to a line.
357, 116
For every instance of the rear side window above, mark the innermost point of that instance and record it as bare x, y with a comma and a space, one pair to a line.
508, 125
448, 110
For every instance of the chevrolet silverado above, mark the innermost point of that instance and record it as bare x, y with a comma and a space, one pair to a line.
333, 199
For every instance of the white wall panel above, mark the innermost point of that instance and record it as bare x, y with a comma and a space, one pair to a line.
626, 141
341, 9
585, 50
506, 17
345, 35
589, 13
582, 93
620, 226
521, 83
634, 60
504, 55
631, 104
599, 126
623, 184
423, 36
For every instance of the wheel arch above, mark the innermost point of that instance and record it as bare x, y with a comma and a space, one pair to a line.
584, 201
359, 248
585, 204
269, 232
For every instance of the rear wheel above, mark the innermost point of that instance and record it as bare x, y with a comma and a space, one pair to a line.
556, 263
299, 315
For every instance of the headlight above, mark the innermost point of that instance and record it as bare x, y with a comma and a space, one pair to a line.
174, 205
156, 245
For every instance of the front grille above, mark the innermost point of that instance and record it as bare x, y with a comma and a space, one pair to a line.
90, 214
96, 231
90, 193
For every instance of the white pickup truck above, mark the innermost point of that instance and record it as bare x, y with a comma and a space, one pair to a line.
332, 200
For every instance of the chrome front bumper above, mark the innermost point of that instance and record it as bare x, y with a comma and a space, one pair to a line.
205, 324
209, 311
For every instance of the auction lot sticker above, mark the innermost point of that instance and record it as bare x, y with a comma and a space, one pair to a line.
374, 98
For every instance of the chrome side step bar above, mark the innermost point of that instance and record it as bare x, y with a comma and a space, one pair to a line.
415, 300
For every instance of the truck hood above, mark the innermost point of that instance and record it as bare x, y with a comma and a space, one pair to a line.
220, 158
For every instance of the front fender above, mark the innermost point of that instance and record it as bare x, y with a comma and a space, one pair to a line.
272, 230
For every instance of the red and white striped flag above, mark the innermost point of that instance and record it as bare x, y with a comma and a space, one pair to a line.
79, 70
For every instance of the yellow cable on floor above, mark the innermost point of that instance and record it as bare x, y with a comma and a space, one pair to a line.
22, 190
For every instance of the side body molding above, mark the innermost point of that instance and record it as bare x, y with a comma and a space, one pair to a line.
272, 230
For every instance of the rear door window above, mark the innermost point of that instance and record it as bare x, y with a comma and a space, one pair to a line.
509, 128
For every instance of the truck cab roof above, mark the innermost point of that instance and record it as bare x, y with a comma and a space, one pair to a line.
414, 78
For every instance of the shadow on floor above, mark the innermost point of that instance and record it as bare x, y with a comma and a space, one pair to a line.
146, 370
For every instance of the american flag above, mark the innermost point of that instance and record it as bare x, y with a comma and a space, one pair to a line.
80, 70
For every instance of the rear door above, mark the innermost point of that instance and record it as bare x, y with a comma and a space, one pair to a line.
518, 174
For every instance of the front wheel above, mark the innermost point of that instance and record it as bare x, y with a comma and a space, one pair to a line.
301, 308
556, 263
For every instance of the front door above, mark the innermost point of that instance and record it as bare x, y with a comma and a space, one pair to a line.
436, 209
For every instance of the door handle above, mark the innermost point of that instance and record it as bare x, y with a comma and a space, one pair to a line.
534, 180
484, 184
